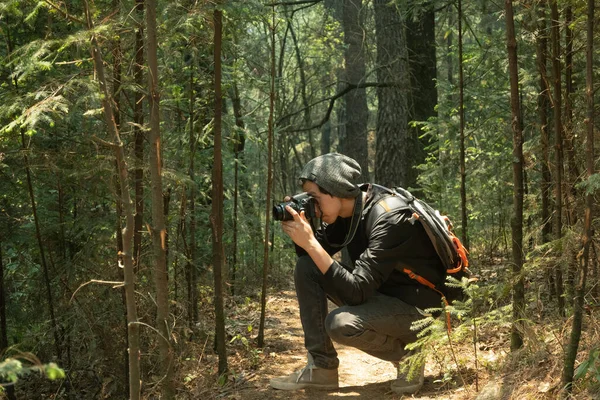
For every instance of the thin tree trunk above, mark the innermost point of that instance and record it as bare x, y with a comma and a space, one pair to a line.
159, 230
191, 268
558, 134
126, 256
238, 147
571, 354
138, 119
116, 93
461, 102
10, 389
543, 101
573, 173
516, 339
38, 236
307, 118
569, 128
216, 216
263, 297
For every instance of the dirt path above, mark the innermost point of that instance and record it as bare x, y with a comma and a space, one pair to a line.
361, 375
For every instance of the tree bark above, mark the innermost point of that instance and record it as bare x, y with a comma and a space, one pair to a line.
558, 147
571, 354
393, 158
355, 142
116, 94
516, 339
38, 235
270, 133
543, 101
238, 148
126, 256
420, 37
461, 102
216, 216
159, 230
138, 119
10, 389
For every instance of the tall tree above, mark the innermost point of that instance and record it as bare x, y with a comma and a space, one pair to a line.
10, 389
516, 338
584, 256
542, 109
133, 336
421, 41
558, 145
138, 122
216, 216
393, 158
355, 143
270, 133
159, 230
461, 105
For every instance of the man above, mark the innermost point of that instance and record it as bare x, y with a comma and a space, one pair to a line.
378, 302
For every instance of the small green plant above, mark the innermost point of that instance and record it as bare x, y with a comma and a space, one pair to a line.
591, 365
253, 353
11, 369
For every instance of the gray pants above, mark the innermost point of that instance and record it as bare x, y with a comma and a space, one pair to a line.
380, 326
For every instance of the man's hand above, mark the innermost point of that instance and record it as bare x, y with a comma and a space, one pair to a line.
299, 229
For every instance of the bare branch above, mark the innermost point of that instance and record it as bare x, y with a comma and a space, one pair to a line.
64, 13
349, 87
114, 283
292, 3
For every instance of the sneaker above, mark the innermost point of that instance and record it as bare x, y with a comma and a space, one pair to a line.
308, 377
402, 385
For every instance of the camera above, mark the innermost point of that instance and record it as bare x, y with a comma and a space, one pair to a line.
299, 202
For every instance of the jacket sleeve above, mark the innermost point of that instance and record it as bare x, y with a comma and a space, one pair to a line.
388, 242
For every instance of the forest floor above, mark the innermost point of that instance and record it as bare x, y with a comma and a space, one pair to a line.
535, 375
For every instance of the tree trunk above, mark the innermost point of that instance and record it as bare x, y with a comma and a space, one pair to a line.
516, 339
355, 143
270, 133
138, 119
216, 216
38, 235
393, 158
558, 134
159, 230
461, 102
238, 148
420, 37
191, 267
571, 354
307, 118
543, 101
126, 256
10, 389
116, 93
573, 175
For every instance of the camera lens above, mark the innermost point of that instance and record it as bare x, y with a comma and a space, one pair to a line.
280, 213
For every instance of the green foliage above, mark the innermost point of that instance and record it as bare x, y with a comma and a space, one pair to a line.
436, 341
11, 369
590, 185
591, 365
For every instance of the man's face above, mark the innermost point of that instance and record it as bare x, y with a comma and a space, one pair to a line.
328, 207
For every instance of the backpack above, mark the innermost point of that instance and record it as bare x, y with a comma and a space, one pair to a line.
448, 247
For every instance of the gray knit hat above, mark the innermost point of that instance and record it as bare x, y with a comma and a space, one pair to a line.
335, 173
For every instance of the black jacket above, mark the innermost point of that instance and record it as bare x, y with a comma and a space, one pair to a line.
380, 254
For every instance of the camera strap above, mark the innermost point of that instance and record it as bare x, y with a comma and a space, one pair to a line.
356, 215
